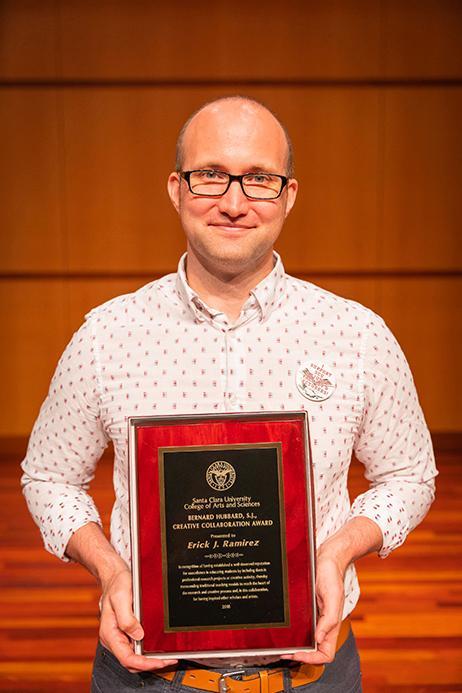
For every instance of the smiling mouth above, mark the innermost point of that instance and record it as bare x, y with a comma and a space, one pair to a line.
232, 227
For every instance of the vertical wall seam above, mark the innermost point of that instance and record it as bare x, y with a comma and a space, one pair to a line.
62, 168
381, 105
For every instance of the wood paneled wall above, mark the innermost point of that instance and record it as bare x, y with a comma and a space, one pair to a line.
93, 95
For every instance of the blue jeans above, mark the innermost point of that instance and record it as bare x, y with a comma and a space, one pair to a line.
343, 675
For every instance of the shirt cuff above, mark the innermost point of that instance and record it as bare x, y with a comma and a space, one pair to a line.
62, 519
387, 510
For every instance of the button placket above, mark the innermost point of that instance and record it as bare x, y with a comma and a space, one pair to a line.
236, 370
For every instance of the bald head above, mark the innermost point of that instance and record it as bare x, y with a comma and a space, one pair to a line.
223, 112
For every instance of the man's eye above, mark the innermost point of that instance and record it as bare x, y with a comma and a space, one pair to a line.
211, 175
258, 178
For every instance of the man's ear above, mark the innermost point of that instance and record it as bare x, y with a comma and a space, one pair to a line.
292, 189
173, 187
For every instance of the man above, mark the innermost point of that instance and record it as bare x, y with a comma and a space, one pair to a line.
231, 332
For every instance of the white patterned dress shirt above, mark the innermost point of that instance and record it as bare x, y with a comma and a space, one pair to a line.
162, 350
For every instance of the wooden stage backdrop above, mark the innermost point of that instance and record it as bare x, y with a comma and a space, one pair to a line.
92, 95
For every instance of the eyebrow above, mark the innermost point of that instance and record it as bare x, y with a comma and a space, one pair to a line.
220, 167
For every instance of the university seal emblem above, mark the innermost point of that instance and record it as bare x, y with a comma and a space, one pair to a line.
220, 475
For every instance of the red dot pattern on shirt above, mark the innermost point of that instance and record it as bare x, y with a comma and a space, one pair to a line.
161, 350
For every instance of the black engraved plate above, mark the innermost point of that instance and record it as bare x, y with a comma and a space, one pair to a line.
223, 537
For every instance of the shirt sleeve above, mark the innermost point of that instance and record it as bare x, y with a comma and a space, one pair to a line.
393, 442
65, 445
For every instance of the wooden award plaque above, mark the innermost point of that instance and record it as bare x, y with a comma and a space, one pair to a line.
222, 527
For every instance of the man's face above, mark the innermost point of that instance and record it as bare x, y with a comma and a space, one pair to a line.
232, 234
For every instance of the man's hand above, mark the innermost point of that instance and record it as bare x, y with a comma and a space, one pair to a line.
119, 624
329, 597
90, 547
357, 538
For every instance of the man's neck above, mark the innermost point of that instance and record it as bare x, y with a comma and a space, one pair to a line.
225, 291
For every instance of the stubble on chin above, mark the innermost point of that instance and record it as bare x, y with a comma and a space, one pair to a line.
229, 262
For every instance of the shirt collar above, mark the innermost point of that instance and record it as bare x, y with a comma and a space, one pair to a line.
266, 295
271, 289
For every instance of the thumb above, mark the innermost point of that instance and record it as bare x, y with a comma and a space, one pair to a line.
125, 618
330, 613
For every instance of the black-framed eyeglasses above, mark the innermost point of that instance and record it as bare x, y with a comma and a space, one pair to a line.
256, 186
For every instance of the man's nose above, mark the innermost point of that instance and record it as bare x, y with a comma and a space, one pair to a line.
233, 202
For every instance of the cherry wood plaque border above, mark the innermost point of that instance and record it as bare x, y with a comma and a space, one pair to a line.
147, 435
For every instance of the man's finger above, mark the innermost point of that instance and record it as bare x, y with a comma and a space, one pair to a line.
130, 625
317, 657
329, 619
117, 642
330, 598
120, 603
327, 625
121, 649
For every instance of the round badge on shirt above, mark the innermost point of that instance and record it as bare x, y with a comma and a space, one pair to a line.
315, 382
